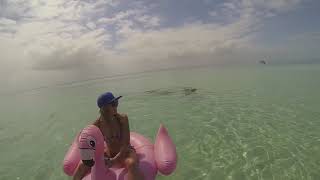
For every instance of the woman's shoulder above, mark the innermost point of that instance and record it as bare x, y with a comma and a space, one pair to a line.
123, 115
96, 122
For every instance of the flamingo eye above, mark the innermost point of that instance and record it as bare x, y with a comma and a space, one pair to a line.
92, 143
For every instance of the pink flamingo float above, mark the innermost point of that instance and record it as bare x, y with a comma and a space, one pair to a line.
89, 142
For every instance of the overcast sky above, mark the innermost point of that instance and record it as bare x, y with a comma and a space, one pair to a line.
44, 42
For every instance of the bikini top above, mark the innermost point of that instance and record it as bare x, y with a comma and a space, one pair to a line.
113, 137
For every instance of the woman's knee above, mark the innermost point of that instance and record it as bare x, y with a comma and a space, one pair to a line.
131, 162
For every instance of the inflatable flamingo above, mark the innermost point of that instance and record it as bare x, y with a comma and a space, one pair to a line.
89, 144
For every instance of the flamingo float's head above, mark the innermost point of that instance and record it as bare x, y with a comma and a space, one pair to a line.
90, 144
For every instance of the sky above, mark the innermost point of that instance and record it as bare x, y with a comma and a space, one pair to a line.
47, 42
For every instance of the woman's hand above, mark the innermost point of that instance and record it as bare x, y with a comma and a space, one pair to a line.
108, 162
117, 158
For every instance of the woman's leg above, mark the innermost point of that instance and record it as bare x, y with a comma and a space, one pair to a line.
132, 164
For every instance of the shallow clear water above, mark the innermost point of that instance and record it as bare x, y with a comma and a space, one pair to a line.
260, 122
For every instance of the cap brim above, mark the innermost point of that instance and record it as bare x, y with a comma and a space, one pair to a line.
115, 99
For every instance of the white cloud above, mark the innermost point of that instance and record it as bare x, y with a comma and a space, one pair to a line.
230, 5
91, 25
54, 25
133, 16
73, 36
234, 9
7, 22
122, 15
213, 13
279, 5
14, 9
149, 21
200, 41
7, 27
203, 41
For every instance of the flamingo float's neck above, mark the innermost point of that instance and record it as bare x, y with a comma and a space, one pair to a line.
98, 171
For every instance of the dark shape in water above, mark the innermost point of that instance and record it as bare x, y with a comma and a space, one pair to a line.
150, 91
159, 92
52, 115
262, 62
166, 92
188, 91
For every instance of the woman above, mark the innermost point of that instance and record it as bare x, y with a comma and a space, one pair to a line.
116, 132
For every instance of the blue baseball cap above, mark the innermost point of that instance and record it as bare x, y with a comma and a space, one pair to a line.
106, 98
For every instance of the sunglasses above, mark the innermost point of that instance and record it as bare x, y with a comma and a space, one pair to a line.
115, 103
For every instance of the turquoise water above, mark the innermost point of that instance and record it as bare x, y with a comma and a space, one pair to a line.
260, 122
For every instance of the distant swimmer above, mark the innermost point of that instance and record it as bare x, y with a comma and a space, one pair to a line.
188, 91
262, 62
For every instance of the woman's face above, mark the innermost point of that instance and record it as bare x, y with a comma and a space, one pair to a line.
110, 110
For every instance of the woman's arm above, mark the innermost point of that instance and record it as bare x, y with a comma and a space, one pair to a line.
125, 131
125, 137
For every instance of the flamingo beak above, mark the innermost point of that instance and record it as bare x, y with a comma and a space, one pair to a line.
87, 149
87, 156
